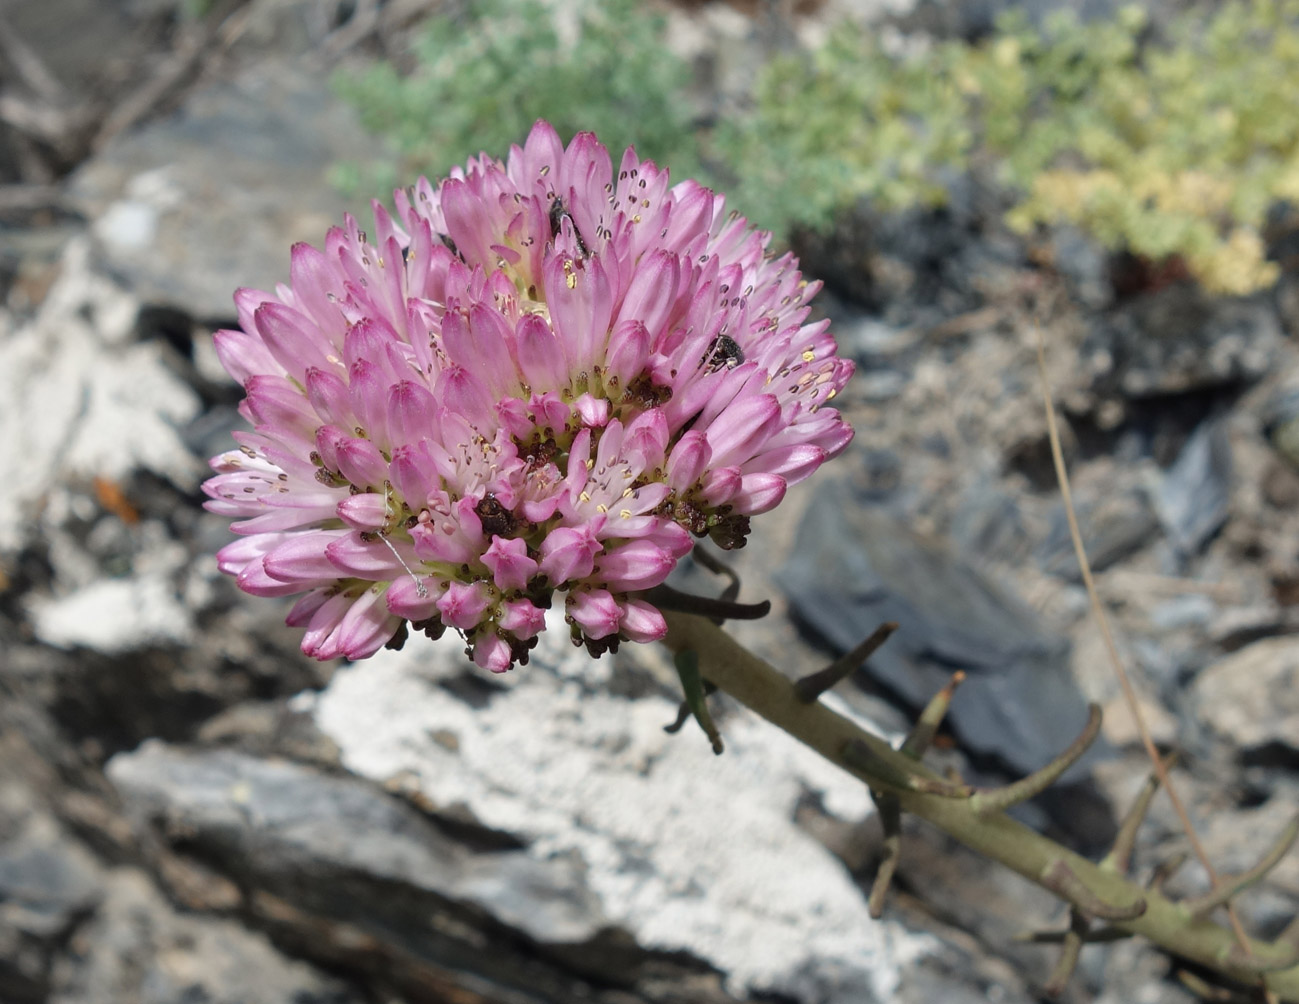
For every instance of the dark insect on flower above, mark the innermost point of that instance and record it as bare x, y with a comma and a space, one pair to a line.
450, 245
724, 352
557, 215
497, 520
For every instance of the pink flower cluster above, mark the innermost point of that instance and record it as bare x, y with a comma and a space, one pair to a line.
541, 377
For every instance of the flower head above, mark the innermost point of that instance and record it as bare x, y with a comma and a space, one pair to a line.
541, 377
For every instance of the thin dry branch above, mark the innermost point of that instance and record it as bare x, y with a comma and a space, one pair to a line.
1111, 649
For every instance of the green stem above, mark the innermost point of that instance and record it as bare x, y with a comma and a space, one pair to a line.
1168, 924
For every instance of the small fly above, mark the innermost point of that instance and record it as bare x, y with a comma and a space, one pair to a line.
557, 214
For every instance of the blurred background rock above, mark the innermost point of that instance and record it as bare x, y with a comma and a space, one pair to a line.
190, 810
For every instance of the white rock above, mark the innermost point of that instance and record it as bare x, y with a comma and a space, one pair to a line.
686, 850
128, 224
77, 400
1252, 696
112, 615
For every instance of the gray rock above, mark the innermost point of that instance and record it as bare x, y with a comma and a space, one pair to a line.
1195, 493
48, 884
392, 888
191, 207
82, 42
292, 817
1251, 698
878, 474
866, 337
880, 384
855, 567
1112, 528
1179, 339
1081, 260
138, 950
1236, 841
988, 522
1281, 422
970, 19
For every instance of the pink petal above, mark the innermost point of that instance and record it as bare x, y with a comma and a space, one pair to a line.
595, 611
291, 338
569, 553
463, 604
305, 608
738, 433
522, 618
493, 653
327, 392
653, 291
758, 493
688, 460
367, 511
301, 558
360, 461
367, 626
638, 564
629, 350
414, 598
539, 354
642, 622
357, 558
720, 484
318, 641
244, 355
412, 413
509, 563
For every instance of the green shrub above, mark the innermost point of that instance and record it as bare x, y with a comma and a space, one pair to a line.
483, 77
1169, 148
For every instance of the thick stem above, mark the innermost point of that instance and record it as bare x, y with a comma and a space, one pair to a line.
1168, 924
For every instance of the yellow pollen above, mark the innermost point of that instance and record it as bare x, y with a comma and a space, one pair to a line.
808, 355
636, 218
626, 492
584, 497
624, 513
602, 508
832, 393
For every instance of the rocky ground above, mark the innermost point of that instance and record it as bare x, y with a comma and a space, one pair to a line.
191, 811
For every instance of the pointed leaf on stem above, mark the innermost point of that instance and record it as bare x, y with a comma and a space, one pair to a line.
891, 820
1232, 884
993, 800
812, 686
931, 718
667, 598
1120, 856
1070, 950
693, 684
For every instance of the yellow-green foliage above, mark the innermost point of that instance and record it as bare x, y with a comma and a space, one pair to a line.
482, 77
1175, 147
